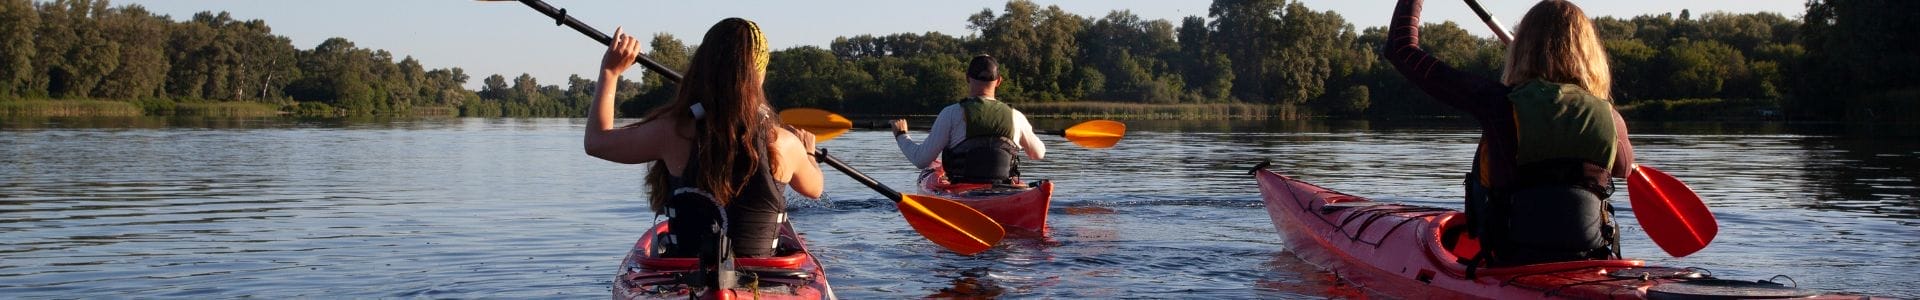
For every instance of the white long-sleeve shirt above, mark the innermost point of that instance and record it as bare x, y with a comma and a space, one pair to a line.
951, 127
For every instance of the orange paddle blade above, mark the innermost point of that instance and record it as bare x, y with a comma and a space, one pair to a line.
950, 224
1096, 134
823, 134
1670, 212
824, 125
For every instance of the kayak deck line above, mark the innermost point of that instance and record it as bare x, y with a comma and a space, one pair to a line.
1410, 251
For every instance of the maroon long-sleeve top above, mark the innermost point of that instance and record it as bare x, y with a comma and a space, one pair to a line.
1485, 99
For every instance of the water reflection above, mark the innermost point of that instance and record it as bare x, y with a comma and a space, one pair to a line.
459, 208
1873, 176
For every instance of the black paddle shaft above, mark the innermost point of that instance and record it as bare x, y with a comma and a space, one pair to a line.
857, 176
560, 17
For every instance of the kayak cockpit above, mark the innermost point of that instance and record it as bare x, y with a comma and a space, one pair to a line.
790, 273
1449, 245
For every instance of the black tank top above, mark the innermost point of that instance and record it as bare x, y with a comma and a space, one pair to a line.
752, 218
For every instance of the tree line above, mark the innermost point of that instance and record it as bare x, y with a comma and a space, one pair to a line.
1843, 60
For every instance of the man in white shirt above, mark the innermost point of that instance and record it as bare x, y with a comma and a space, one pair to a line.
976, 140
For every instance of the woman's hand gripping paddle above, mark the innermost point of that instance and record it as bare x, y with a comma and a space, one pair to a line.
1667, 209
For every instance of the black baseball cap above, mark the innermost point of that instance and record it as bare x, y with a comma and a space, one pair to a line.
983, 68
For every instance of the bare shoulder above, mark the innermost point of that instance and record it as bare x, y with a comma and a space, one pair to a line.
785, 140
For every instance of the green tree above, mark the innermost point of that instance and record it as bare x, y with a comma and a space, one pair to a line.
1207, 72
1701, 69
1312, 42
1242, 30
1134, 53
654, 89
143, 63
1860, 54
1035, 47
808, 76
18, 23
1635, 75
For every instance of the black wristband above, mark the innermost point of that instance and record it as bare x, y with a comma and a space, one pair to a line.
899, 132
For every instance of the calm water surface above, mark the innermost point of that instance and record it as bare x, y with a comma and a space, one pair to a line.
506, 208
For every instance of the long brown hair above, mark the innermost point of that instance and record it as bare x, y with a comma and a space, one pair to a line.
724, 78
1556, 42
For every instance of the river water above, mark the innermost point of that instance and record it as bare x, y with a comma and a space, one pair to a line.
512, 208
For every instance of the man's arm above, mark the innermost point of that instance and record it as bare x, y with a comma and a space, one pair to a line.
923, 153
1028, 141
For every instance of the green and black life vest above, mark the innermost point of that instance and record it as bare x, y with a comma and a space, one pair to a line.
1556, 207
987, 154
1565, 136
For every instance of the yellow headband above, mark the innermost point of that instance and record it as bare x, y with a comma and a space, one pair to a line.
761, 56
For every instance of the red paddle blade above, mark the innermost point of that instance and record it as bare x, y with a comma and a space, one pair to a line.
1670, 212
950, 224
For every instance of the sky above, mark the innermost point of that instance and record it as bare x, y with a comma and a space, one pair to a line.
508, 38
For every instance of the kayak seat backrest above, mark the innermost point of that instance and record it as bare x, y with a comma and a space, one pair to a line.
787, 246
790, 256
1453, 237
661, 264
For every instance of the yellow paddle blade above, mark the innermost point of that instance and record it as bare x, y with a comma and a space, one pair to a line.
823, 134
824, 125
1096, 134
950, 224
814, 117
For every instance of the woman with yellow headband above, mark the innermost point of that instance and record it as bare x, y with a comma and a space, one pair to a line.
718, 154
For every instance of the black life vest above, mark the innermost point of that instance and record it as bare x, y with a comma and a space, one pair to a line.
987, 155
749, 225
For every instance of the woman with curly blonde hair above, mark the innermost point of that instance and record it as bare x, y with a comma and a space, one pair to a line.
1550, 140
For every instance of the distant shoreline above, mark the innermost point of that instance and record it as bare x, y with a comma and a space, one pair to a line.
1654, 110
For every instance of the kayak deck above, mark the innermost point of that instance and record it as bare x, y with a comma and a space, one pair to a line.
1021, 210
1410, 251
792, 274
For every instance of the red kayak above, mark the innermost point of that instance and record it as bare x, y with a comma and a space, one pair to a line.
1021, 210
1402, 251
794, 274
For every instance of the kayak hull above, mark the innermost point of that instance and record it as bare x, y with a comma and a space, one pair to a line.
1402, 251
794, 274
1022, 211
